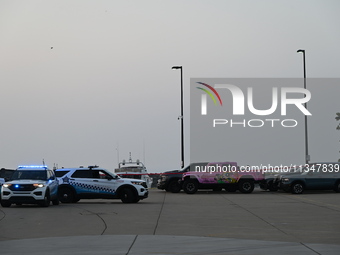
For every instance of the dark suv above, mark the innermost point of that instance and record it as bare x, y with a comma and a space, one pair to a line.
169, 181
316, 176
272, 177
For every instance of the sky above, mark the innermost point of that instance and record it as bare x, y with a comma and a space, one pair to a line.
87, 82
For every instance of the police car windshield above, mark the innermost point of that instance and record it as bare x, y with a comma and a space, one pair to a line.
115, 176
29, 175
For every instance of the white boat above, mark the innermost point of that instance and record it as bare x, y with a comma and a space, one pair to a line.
133, 170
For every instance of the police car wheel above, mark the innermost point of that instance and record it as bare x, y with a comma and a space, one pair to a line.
47, 200
128, 196
5, 204
66, 195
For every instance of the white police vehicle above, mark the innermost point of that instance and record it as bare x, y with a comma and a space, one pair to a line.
30, 185
94, 182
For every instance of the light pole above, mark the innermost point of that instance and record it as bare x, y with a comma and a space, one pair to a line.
181, 117
305, 86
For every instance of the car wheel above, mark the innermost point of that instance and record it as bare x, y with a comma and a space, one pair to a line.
190, 186
128, 196
246, 186
47, 200
174, 186
337, 187
5, 203
66, 195
297, 188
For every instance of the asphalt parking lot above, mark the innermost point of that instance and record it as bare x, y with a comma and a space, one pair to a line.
305, 224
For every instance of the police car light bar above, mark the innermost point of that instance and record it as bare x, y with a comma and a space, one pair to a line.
95, 166
32, 166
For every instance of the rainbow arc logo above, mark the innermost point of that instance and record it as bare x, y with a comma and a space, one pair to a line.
204, 97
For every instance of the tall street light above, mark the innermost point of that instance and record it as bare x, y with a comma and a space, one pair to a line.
306, 129
181, 117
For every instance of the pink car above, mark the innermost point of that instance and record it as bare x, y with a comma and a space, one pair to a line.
219, 175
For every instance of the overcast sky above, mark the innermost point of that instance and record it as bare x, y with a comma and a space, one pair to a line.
86, 82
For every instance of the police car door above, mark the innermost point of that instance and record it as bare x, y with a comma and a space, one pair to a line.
53, 183
82, 181
105, 183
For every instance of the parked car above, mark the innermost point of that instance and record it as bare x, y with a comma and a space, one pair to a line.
316, 176
170, 180
30, 185
271, 175
94, 182
221, 175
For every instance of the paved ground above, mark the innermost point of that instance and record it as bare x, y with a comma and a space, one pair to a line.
166, 223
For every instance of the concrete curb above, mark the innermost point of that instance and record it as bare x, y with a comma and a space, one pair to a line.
158, 244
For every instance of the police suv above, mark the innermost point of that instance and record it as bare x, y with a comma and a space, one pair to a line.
30, 185
94, 182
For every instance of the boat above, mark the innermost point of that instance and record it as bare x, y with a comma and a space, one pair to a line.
134, 170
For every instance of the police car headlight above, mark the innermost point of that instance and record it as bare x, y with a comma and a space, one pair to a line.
7, 185
137, 183
285, 179
38, 185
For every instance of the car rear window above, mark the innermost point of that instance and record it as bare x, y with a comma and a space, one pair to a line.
82, 174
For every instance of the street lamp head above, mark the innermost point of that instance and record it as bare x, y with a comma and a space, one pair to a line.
176, 67
303, 51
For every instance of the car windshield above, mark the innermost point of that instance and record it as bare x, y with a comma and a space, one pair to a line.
29, 175
114, 176
105, 174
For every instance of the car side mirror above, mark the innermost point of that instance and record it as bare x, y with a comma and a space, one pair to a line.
6, 179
